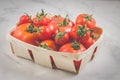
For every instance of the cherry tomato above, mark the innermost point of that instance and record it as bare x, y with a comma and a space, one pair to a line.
89, 42
72, 47
24, 19
63, 29
63, 24
57, 18
48, 44
53, 25
86, 19
78, 31
26, 32
66, 25
83, 39
44, 32
41, 20
88, 39
61, 38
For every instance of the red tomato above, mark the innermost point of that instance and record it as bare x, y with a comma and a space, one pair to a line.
88, 39
72, 47
83, 39
48, 44
89, 42
44, 21
78, 31
61, 38
53, 25
86, 19
24, 19
44, 32
66, 25
26, 32
63, 24
57, 18
71, 23
63, 29
41, 20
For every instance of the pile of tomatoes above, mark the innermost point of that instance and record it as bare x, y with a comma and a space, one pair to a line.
55, 32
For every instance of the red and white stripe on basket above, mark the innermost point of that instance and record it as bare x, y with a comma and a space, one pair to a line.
93, 54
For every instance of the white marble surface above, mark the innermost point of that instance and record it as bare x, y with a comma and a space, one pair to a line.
105, 66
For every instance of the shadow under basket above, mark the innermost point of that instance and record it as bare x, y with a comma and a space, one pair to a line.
53, 59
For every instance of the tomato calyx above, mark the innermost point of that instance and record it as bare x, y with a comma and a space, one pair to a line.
59, 35
91, 34
40, 15
75, 45
31, 28
88, 17
28, 16
65, 22
45, 46
81, 31
38, 29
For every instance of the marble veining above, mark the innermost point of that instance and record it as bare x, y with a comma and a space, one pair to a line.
105, 66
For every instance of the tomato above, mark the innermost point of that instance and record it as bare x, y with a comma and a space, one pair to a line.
25, 32
53, 25
63, 21
41, 20
89, 42
78, 31
63, 24
48, 44
66, 25
83, 39
83, 35
63, 29
61, 38
24, 19
57, 18
88, 39
72, 47
44, 32
86, 19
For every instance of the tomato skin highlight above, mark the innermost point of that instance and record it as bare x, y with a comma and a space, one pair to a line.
53, 25
21, 33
